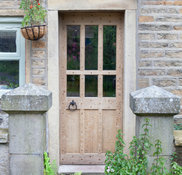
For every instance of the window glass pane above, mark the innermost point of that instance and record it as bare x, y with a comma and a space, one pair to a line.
109, 86
9, 74
73, 85
73, 47
91, 47
7, 41
91, 85
109, 50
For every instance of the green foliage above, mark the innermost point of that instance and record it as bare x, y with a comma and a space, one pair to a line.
49, 168
34, 12
158, 166
136, 163
178, 126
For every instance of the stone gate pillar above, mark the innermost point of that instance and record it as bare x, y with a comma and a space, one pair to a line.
159, 106
27, 107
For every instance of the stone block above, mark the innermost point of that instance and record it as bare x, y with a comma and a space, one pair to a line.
3, 135
174, 72
26, 165
28, 97
4, 159
163, 82
38, 63
173, 54
143, 82
3, 120
162, 129
152, 27
178, 137
166, 36
151, 72
153, 45
27, 133
38, 54
151, 54
38, 44
39, 81
145, 63
146, 19
154, 100
146, 36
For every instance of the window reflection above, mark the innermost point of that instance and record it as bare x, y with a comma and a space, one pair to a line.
9, 74
91, 82
109, 86
109, 48
73, 85
7, 41
73, 47
91, 47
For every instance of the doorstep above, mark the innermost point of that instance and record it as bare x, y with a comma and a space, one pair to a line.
85, 169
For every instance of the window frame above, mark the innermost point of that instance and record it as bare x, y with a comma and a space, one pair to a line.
14, 24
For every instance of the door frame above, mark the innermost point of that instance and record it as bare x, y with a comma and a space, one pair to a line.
129, 79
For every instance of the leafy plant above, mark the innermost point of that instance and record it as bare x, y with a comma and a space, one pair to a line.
136, 163
158, 166
49, 168
35, 14
178, 126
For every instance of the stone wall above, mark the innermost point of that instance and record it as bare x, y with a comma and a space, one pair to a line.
160, 44
159, 47
36, 52
4, 150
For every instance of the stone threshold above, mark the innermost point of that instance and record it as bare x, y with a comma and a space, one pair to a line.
85, 169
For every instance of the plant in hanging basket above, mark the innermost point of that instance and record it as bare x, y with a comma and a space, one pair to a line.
33, 24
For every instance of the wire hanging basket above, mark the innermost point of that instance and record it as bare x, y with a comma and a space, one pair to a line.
33, 32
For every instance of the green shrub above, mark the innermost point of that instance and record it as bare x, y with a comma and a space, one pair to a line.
136, 163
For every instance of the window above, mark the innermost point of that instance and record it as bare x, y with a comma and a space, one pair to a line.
12, 53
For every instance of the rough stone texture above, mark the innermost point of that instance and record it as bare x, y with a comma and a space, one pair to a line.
178, 150
159, 106
4, 150
27, 133
27, 98
4, 159
27, 107
160, 42
26, 165
154, 100
178, 137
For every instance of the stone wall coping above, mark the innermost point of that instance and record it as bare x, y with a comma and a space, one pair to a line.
28, 97
178, 137
154, 100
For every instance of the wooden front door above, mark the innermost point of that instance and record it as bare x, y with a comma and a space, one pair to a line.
91, 69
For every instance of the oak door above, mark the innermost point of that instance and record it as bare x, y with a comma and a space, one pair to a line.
91, 59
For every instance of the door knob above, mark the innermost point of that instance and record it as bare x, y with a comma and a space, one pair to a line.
72, 106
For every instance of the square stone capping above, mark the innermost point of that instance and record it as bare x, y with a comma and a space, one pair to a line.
28, 97
92, 4
154, 100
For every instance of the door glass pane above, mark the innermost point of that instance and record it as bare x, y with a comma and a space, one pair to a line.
109, 86
73, 47
7, 41
91, 47
109, 48
91, 85
73, 85
9, 74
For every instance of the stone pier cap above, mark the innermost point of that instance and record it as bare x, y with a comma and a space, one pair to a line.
28, 97
154, 100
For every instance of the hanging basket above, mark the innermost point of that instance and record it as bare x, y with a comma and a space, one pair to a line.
33, 32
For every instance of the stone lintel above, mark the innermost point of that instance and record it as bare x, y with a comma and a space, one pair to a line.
154, 100
28, 97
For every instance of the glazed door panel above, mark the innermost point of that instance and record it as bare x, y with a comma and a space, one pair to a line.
91, 77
